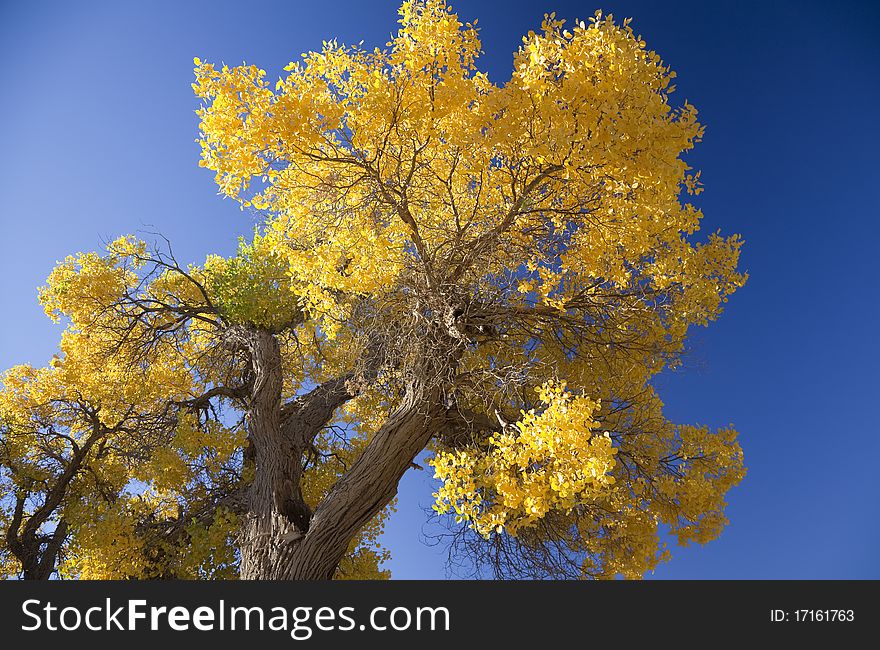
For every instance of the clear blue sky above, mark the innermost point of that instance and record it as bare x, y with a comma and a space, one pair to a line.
97, 139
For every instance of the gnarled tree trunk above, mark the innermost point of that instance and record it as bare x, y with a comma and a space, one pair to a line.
277, 514
365, 489
280, 537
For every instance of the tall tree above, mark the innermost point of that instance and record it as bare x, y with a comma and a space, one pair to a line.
489, 273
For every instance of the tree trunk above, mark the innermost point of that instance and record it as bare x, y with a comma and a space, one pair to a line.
38, 557
365, 489
281, 539
276, 515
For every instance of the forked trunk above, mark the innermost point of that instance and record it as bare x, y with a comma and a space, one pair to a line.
364, 490
281, 539
276, 513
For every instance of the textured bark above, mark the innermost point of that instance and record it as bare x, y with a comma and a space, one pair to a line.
366, 488
281, 538
277, 513
304, 417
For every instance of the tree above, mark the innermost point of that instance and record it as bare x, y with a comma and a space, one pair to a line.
489, 273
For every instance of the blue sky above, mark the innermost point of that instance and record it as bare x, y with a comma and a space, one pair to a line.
97, 131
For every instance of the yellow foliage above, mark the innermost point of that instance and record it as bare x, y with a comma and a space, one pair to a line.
542, 225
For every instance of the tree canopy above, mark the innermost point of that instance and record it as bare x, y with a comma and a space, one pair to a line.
490, 273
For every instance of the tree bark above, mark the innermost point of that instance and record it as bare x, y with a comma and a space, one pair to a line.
38, 552
276, 511
281, 538
38, 561
366, 488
